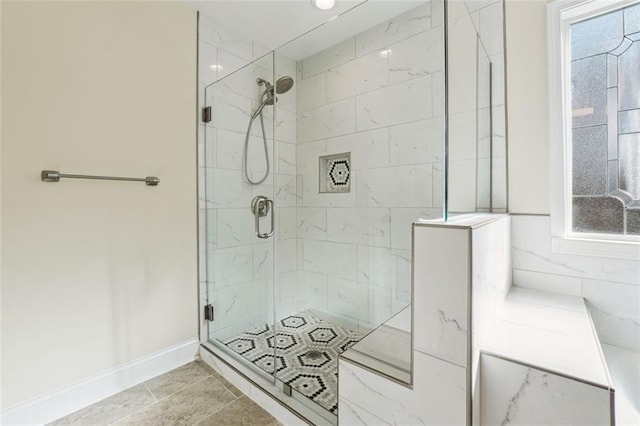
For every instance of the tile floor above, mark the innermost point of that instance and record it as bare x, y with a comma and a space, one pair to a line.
315, 374
189, 395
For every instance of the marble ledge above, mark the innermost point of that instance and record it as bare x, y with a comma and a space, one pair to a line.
549, 332
463, 221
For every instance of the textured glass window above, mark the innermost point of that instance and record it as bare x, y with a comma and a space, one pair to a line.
605, 111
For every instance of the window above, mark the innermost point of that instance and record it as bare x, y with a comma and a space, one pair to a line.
595, 122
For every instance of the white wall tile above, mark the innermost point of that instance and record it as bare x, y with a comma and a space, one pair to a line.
397, 104
235, 227
437, 397
348, 298
382, 267
406, 186
398, 28
328, 120
262, 260
416, 56
216, 34
232, 266
286, 191
207, 61
416, 143
368, 149
313, 289
355, 77
402, 220
287, 223
328, 58
519, 395
352, 415
227, 189
364, 226
335, 259
441, 281
311, 92
547, 282
286, 158
286, 255
312, 223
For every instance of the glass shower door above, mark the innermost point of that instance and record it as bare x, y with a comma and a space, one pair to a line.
241, 214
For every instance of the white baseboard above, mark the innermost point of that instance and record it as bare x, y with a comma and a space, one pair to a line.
54, 405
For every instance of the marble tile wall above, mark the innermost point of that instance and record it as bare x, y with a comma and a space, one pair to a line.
610, 286
379, 96
523, 395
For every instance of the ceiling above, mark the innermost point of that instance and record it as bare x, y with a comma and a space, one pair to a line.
274, 23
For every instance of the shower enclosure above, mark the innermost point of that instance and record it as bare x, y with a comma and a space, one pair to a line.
318, 157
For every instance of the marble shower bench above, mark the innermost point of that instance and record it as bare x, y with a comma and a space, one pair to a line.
484, 352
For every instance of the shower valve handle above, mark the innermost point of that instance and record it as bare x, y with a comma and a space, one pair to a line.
260, 207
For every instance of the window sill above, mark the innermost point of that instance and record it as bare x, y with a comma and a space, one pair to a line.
627, 250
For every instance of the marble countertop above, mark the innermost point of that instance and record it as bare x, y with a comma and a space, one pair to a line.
551, 331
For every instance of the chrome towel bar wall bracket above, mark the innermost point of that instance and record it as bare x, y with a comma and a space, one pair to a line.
55, 176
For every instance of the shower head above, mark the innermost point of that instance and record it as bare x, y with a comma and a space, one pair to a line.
284, 84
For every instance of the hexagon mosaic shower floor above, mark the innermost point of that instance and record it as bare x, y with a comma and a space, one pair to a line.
307, 350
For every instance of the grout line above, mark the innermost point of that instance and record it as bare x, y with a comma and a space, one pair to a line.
152, 394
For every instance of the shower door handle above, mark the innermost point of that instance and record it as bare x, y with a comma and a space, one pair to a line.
262, 206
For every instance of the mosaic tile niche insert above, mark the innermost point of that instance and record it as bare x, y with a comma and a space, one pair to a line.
335, 173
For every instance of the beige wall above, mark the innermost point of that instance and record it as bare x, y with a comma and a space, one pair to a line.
527, 106
95, 274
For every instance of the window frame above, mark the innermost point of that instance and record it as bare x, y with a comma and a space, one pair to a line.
560, 15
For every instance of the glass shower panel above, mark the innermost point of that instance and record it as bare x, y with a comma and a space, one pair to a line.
239, 194
468, 177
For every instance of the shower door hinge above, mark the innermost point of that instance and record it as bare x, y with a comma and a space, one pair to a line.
208, 312
206, 114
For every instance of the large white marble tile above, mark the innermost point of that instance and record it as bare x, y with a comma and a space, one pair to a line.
624, 366
211, 228
462, 186
326, 121
416, 56
437, 95
229, 110
547, 282
212, 32
441, 284
355, 77
312, 223
348, 298
227, 189
308, 155
438, 396
207, 63
230, 151
287, 223
463, 139
416, 143
397, 104
286, 255
532, 251
286, 191
242, 302
396, 29
401, 221
228, 63
313, 289
334, 259
210, 143
286, 125
403, 186
262, 260
519, 395
437, 185
548, 299
286, 164
492, 28
352, 415
363, 226
382, 267
232, 265
311, 92
235, 227
329, 58
368, 149
381, 306
287, 287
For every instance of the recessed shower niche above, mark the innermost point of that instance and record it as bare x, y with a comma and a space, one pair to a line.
335, 173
